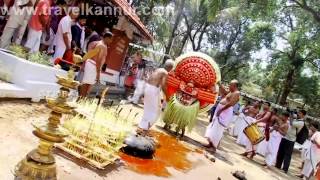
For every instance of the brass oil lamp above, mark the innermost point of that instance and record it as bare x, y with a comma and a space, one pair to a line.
39, 164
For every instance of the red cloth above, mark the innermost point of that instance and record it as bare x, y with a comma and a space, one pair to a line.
42, 8
68, 56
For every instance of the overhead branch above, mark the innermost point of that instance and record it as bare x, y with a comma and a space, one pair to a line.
306, 7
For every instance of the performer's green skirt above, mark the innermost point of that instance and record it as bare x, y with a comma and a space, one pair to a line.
180, 115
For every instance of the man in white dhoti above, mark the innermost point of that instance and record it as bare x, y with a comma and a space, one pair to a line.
312, 160
263, 119
223, 115
94, 60
17, 22
278, 131
63, 37
140, 78
252, 112
152, 107
39, 22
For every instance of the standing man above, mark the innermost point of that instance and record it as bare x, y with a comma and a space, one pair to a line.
152, 109
312, 155
140, 78
279, 130
78, 32
263, 119
94, 60
39, 22
91, 36
249, 114
17, 23
287, 142
63, 37
223, 114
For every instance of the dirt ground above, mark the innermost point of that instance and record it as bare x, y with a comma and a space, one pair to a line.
16, 141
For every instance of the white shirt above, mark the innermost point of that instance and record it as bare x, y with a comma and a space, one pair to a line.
82, 35
63, 27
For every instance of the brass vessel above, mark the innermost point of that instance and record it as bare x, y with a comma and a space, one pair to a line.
39, 164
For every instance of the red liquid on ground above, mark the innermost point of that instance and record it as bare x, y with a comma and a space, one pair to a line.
170, 153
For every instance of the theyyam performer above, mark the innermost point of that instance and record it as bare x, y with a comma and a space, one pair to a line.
190, 89
154, 84
223, 114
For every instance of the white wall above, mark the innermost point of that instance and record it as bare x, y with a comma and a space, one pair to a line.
37, 80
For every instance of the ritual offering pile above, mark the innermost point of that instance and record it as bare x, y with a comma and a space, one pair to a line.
96, 133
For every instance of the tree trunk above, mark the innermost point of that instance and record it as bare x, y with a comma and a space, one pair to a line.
175, 27
183, 43
278, 95
287, 86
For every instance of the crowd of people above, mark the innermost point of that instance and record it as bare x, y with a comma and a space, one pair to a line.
281, 131
59, 30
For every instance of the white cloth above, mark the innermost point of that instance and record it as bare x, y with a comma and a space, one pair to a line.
151, 109
248, 144
83, 34
312, 156
241, 124
305, 148
232, 131
272, 148
90, 72
48, 42
34, 40
262, 146
138, 92
215, 129
63, 27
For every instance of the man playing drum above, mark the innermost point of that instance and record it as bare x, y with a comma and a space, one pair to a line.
250, 114
223, 115
263, 119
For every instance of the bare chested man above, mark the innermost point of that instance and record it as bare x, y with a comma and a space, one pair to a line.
250, 114
278, 131
263, 121
253, 110
94, 60
152, 97
223, 114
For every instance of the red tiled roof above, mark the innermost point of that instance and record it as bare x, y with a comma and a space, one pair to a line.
130, 13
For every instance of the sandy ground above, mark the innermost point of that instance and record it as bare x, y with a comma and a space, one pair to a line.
16, 140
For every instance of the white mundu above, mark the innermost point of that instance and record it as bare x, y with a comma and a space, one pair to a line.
312, 156
239, 125
151, 106
272, 147
90, 72
215, 129
262, 146
242, 138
